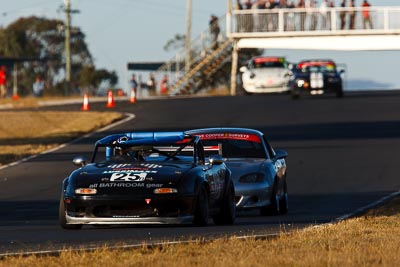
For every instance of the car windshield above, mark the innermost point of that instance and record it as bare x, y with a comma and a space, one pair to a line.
330, 67
233, 145
259, 63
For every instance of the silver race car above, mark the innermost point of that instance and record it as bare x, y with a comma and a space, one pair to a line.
258, 171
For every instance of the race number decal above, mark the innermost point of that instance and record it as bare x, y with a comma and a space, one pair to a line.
128, 177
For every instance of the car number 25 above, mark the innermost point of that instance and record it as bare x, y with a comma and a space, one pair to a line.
128, 177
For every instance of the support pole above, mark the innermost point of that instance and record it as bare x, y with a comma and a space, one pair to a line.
234, 68
15, 82
67, 46
188, 34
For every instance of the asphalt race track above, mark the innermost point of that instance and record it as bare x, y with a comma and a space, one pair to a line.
343, 155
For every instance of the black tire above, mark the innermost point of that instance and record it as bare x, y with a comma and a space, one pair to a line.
294, 94
339, 92
227, 214
284, 201
274, 207
63, 220
201, 212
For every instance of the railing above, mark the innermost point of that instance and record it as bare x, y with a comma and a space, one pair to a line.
313, 21
199, 48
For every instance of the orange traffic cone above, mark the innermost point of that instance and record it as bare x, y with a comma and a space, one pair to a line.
110, 100
85, 102
133, 96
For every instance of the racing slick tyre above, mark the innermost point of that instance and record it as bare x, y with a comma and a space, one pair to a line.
63, 220
201, 212
284, 200
274, 207
295, 94
227, 213
339, 92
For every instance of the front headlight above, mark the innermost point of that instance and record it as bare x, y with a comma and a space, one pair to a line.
85, 191
251, 178
300, 83
164, 190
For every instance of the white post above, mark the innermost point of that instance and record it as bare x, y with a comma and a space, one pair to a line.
333, 19
386, 19
281, 21
229, 19
188, 34
234, 68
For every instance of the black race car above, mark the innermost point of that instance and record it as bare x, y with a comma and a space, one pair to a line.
316, 77
258, 171
148, 178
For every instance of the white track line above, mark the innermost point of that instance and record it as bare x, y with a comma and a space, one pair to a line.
367, 207
129, 117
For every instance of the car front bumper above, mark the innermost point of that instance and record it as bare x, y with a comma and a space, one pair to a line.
252, 195
164, 209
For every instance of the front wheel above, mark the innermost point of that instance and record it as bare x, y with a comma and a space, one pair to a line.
339, 92
227, 214
201, 212
274, 207
62, 217
284, 200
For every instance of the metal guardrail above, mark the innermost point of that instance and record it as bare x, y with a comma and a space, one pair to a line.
201, 46
283, 22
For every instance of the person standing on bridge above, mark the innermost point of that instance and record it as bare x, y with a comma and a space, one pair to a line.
343, 15
302, 4
366, 15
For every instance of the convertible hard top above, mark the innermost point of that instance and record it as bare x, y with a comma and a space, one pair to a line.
143, 138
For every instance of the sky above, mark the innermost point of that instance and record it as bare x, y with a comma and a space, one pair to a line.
122, 31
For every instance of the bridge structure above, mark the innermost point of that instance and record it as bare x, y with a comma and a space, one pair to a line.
337, 28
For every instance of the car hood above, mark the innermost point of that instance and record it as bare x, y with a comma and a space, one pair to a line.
128, 177
267, 73
242, 166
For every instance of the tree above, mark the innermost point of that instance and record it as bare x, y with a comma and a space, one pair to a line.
41, 40
91, 78
177, 42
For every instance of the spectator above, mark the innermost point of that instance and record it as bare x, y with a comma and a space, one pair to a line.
239, 17
151, 84
301, 4
352, 15
366, 15
3, 81
133, 83
248, 23
323, 9
343, 15
164, 85
38, 87
310, 5
214, 31
247, 4
272, 17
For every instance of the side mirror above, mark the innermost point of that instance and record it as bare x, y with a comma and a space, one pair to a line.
342, 71
280, 154
243, 69
216, 159
79, 161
